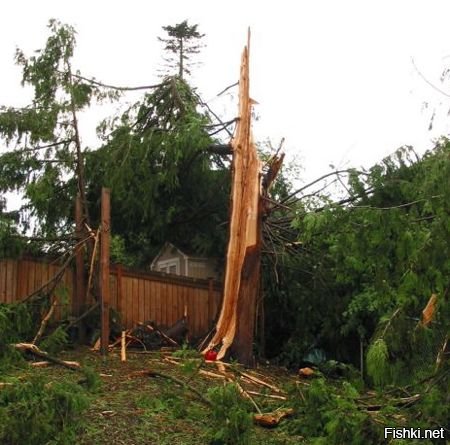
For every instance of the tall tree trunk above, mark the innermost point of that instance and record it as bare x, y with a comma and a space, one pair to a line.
236, 325
81, 182
181, 67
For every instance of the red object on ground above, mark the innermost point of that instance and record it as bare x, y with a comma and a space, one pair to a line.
211, 355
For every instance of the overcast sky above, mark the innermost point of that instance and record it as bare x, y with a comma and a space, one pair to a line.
335, 78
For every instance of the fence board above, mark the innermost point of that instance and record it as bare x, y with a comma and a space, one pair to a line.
137, 296
9, 281
141, 300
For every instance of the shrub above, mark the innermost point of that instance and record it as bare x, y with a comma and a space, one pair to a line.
232, 420
36, 412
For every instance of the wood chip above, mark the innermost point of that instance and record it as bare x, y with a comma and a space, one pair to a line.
212, 374
269, 396
43, 364
270, 420
305, 372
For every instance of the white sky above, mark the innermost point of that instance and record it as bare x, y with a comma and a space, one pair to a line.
335, 78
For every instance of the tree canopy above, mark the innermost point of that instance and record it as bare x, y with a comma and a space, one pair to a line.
166, 184
365, 268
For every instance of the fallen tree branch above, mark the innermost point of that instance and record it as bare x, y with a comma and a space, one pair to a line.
269, 396
151, 373
45, 321
82, 316
259, 381
399, 403
53, 282
161, 333
33, 349
246, 395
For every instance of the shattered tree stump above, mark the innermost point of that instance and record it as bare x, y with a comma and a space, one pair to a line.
236, 324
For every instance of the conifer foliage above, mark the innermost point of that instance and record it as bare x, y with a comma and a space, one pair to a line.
182, 42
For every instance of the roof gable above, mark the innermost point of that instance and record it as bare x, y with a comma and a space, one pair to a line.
167, 248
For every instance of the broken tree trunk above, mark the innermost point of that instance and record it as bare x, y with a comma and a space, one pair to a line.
80, 290
236, 324
104, 269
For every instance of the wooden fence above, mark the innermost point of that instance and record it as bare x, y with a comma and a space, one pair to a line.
137, 296
19, 278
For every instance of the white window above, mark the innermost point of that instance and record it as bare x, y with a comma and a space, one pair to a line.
171, 266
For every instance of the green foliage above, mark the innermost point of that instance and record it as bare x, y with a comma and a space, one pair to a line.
44, 165
118, 251
15, 325
378, 362
187, 352
10, 245
182, 43
357, 263
327, 414
38, 413
92, 381
231, 418
55, 342
168, 402
165, 184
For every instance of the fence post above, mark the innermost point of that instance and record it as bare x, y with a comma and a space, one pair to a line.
119, 288
104, 268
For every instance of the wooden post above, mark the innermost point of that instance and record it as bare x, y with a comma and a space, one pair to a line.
123, 347
119, 288
79, 302
104, 269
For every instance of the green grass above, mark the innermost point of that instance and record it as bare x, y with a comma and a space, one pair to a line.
127, 409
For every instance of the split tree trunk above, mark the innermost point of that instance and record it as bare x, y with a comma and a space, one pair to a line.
236, 324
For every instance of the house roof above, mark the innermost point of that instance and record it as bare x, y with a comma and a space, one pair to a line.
168, 245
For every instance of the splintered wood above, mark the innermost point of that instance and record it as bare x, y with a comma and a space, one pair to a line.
244, 227
236, 324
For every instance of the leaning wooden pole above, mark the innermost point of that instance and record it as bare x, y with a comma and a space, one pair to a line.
80, 288
104, 269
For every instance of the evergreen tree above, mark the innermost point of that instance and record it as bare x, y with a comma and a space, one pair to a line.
166, 186
181, 44
45, 157
366, 267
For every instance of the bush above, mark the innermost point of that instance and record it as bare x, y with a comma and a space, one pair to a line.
329, 415
15, 325
36, 412
231, 417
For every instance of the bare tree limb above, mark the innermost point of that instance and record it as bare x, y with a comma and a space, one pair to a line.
227, 88
113, 87
431, 84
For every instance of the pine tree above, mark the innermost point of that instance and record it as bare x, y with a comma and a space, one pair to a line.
183, 41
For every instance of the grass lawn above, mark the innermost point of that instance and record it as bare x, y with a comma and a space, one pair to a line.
129, 408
